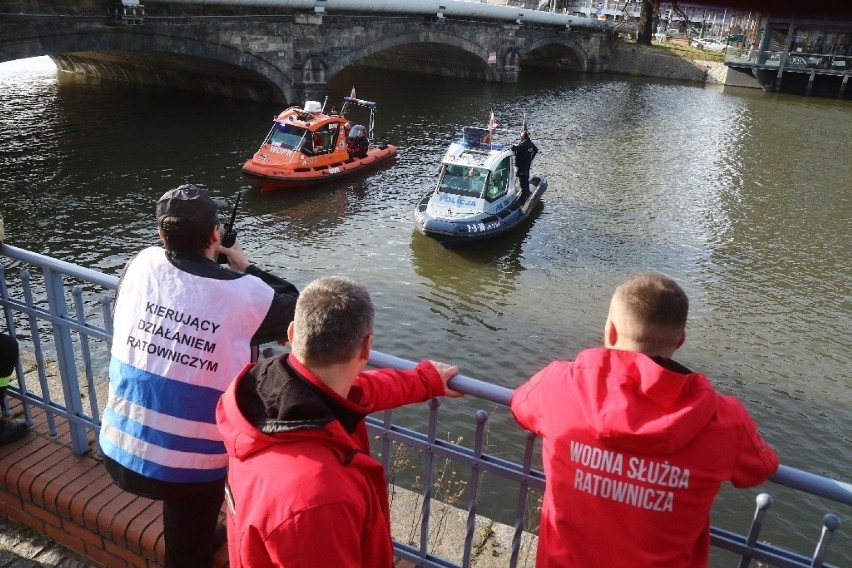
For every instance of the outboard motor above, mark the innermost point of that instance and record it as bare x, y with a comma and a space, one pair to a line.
355, 130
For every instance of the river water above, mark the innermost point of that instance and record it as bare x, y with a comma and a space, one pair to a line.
742, 196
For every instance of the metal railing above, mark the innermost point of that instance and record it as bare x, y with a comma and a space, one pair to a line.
61, 312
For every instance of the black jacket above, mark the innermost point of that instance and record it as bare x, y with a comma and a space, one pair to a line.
524, 153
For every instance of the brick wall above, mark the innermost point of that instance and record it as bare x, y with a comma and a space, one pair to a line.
74, 502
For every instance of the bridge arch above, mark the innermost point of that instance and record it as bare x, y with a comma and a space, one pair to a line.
428, 45
160, 60
551, 52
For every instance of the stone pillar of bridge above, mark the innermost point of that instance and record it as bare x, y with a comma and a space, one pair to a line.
593, 63
310, 92
510, 71
311, 82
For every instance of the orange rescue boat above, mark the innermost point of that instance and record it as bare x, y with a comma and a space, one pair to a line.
306, 146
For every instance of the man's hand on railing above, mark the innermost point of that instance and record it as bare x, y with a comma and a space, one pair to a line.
447, 372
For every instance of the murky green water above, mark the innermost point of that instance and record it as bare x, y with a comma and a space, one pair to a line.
742, 196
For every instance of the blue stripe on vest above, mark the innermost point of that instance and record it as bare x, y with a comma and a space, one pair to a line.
163, 439
167, 396
157, 471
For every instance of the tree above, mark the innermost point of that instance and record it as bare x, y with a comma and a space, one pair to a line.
646, 21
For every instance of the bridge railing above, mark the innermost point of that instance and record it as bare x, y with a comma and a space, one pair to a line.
61, 313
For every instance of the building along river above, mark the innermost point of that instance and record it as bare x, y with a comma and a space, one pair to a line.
741, 195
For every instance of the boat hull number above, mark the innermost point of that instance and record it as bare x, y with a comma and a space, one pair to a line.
483, 227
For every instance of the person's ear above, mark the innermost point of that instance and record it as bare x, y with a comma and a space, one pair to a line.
214, 235
290, 329
365, 347
681, 341
610, 334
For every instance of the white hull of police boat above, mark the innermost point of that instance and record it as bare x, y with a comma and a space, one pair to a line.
454, 232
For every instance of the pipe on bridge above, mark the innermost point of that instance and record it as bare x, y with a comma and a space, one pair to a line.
423, 7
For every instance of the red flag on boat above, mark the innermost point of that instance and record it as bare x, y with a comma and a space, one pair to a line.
492, 122
492, 126
352, 94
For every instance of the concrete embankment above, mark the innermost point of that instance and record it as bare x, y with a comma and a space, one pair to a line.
491, 546
643, 61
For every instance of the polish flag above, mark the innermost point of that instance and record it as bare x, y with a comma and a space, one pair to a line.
492, 122
492, 126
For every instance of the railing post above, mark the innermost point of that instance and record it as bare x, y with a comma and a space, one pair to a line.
79, 308
830, 523
65, 358
522, 499
4, 295
764, 502
29, 302
428, 475
475, 477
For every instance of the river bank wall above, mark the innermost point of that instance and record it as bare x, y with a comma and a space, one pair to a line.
643, 61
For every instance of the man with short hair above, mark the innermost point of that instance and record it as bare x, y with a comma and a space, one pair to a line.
635, 446
183, 326
303, 490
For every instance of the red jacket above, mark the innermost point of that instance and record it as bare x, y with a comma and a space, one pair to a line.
305, 493
634, 454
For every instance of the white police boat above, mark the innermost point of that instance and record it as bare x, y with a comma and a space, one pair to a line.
477, 196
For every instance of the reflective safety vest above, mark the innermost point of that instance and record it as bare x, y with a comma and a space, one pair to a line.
179, 340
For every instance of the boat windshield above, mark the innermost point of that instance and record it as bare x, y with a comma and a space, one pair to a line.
461, 180
287, 136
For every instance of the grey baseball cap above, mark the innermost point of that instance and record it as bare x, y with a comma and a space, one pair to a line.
192, 205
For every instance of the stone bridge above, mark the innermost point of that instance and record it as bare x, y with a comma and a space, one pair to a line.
285, 54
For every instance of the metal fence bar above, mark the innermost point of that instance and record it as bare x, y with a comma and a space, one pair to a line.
475, 478
522, 474
830, 524
772, 555
60, 266
522, 499
10, 325
428, 476
386, 441
65, 357
77, 293
813, 484
504, 468
764, 502
39, 354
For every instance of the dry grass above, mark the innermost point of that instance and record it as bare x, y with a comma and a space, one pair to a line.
680, 48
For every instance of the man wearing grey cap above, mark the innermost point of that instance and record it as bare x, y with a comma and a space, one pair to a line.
183, 328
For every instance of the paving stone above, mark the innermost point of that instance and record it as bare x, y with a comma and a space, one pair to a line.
21, 548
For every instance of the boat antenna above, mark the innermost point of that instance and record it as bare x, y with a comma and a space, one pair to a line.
372, 122
302, 139
324, 102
